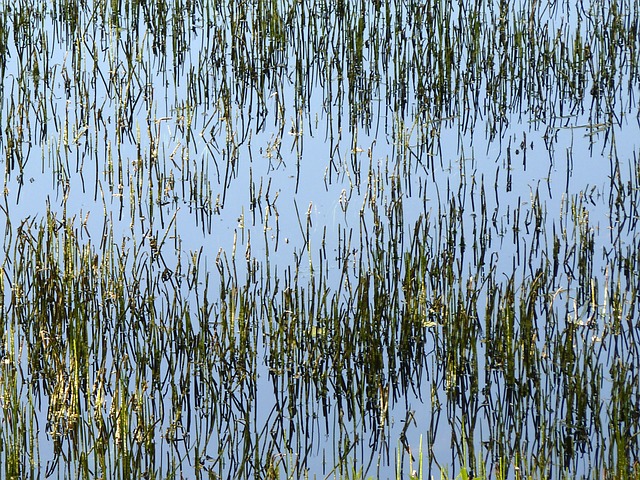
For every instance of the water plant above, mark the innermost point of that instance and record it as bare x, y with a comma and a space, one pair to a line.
319, 240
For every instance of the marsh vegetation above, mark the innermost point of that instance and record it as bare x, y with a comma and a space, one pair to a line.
319, 239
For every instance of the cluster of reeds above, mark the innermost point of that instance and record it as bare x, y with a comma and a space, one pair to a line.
270, 240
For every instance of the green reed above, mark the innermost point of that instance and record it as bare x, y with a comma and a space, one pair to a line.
148, 358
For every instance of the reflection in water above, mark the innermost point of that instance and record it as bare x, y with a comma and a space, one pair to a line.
262, 240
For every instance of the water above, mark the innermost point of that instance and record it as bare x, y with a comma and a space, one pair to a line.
261, 239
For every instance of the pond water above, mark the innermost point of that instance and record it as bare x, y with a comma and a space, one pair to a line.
319, 239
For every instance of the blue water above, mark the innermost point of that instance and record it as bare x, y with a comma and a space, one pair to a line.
307, 167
